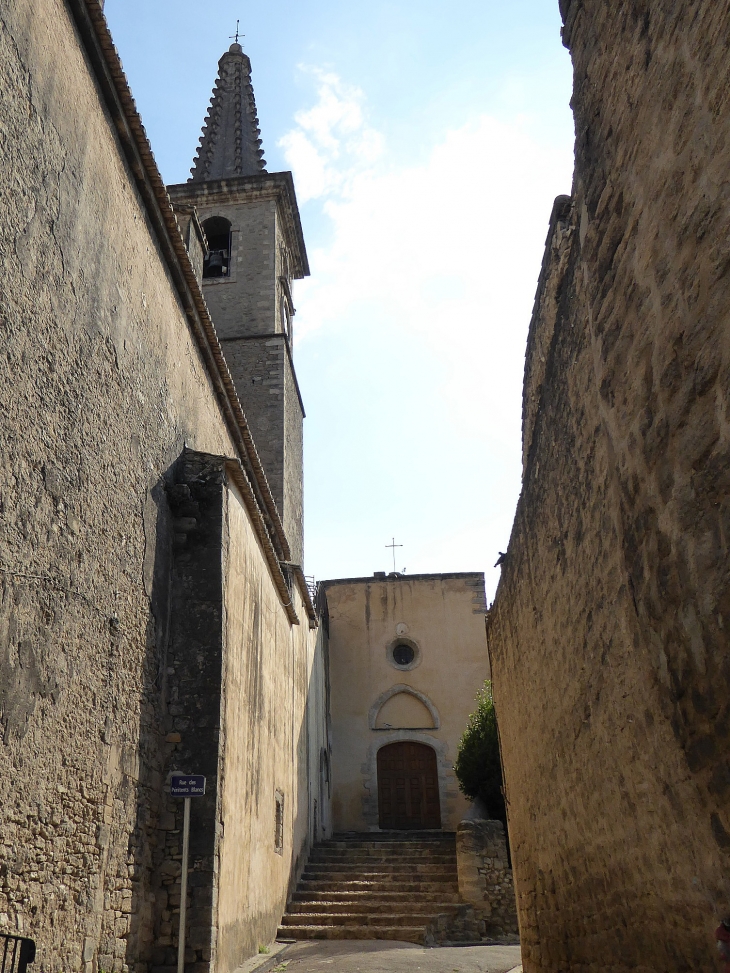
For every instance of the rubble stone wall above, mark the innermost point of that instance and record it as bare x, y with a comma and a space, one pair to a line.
608, 638
485, 876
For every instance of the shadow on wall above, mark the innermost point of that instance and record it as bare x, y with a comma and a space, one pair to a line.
187, 714
154, 841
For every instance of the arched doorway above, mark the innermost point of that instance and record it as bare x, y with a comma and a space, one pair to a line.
408, 787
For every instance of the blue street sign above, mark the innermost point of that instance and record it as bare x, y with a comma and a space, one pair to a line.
187, 785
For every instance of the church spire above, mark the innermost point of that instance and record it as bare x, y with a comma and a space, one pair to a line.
230, 145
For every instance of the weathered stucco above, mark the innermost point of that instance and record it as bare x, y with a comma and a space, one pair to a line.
608, 636
109, 676
442, 616
273, 674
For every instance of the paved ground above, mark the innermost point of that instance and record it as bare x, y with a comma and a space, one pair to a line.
373, 956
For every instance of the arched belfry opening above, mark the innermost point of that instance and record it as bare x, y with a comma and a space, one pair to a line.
218, 258
408, 787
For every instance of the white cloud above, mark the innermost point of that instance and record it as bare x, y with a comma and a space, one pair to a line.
332, 140
448, 251
443, 257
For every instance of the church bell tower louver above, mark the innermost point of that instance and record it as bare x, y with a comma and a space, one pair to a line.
255, 251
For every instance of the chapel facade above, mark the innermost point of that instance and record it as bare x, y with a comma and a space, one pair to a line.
407, 654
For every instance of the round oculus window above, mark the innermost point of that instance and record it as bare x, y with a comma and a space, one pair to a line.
403, 654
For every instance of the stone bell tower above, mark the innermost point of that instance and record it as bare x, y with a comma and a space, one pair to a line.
255, 251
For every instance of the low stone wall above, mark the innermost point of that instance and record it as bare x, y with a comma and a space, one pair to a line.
485, 876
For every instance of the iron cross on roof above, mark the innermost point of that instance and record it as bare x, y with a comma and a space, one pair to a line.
394, 545
234, 37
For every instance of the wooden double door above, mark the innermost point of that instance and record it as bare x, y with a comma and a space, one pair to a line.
408, 787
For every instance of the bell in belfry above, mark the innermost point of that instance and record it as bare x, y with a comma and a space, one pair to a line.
216, 263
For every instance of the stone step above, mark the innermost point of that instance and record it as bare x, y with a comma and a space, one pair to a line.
330, 864
398, 847
404, 934
335, 857
445, 841
389, 898
370, 907
381, 874
389, 837
383, 878
382, 851
394, 886
357, 919
394, 847
364, 885
399, 865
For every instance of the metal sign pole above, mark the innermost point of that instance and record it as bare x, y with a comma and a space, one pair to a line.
187, 786
183, 887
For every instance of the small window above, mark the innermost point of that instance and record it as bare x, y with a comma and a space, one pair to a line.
403, 654
279, 824
218, 258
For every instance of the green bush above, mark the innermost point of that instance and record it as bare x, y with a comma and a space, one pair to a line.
478, 767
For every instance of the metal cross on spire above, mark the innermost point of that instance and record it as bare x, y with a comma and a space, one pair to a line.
394, 545
236, 35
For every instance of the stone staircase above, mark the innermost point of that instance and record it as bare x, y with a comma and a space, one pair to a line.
388, 885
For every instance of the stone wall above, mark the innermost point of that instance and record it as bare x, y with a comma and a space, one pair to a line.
608, 636
267, 249
246, 301
191, 714
246, 307
262, 370
105, 655
485, 876
293, 516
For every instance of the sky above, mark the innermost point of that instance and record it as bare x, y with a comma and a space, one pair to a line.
427, 141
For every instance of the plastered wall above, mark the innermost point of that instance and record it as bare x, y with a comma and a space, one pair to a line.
271, 680
608, 636
443, 617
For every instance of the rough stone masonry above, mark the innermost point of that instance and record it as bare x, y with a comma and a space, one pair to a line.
150, 619
609, 634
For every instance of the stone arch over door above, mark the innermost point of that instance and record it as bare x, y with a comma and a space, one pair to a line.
434, 718
408, 787
404, 711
